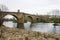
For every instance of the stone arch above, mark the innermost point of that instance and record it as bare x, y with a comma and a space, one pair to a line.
13, 16
19, 17
37, 19
29, 18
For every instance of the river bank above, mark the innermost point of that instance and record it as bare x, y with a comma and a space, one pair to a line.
7, 33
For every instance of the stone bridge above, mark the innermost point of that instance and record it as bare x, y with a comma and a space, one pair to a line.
21, 17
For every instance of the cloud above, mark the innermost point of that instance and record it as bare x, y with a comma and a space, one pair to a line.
54, 1
32, 6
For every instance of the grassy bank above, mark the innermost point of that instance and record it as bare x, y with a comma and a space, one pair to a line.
22, 34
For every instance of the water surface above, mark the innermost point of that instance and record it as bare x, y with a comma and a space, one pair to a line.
41, 27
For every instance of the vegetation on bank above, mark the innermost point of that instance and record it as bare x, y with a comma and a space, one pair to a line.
44, 21
14, 20
51, 21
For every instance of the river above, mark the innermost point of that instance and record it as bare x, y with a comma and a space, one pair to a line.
41, 27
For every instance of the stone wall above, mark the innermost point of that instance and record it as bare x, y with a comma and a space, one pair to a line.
21, 34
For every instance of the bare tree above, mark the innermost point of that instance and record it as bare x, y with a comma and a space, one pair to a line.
3, 8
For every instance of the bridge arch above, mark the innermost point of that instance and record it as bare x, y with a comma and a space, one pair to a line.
37, 19
11, 15
29, 18
10, 18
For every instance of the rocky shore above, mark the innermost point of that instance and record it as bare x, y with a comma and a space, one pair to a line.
7, 33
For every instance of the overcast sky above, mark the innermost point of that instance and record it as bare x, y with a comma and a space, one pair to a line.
32, 6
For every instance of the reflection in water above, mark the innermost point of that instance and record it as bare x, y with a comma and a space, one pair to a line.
10, 21
10, 24
27, 25
58, 29
42, 27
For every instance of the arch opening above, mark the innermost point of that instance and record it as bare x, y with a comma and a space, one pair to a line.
37, 19
29, 19
10, 21
28, 22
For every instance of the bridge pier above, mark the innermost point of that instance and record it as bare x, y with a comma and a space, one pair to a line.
20, 25
1, 21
